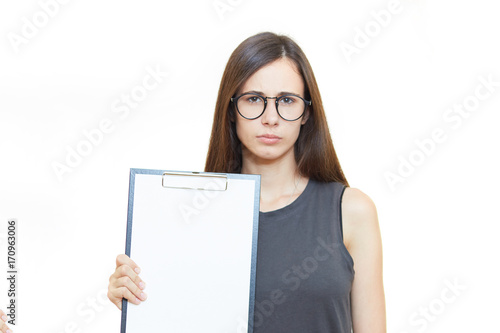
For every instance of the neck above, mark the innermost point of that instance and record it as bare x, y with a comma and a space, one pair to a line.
281, 182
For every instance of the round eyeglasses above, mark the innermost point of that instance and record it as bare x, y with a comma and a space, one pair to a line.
252, 106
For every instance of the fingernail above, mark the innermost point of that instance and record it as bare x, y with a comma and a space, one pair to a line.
9, 331
141, 285
4, 318
143, 296
137, 270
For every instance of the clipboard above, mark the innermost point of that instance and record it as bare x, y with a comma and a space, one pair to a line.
194, 236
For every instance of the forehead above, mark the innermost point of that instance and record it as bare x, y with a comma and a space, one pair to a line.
280, 75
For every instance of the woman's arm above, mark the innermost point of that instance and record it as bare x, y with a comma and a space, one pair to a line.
363, 241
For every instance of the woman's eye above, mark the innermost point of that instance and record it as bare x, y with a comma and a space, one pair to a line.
287, 100
254, 99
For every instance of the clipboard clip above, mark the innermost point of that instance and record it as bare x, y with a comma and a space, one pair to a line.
194, 181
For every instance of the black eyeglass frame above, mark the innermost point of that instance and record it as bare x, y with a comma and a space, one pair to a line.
276, 98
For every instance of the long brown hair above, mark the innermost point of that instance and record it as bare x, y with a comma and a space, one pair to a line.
314, 151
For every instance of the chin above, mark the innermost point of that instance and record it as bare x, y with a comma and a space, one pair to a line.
267, 155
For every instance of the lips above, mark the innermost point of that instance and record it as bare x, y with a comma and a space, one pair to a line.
269, 138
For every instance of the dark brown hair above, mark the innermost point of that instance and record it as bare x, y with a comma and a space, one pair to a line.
314, 151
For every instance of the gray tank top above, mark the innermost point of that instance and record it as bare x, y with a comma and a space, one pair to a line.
304, 272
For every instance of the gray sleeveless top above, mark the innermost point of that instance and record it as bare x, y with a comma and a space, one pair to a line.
304, 272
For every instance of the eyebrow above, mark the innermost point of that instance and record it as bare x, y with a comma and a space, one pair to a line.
279, 94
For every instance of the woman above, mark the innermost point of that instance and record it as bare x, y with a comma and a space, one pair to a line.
319, 259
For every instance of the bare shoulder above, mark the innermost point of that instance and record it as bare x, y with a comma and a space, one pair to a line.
359, 215
356, 203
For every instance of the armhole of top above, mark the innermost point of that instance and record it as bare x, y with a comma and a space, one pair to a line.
340, 213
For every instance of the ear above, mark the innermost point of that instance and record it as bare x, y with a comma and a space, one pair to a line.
305, 117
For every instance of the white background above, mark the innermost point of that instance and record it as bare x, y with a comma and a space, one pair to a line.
438, 225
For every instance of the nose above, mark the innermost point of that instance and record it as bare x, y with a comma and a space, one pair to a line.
270, 116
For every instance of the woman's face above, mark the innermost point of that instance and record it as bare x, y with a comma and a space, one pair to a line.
270, 137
